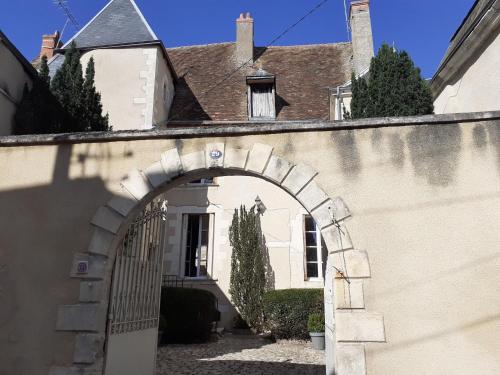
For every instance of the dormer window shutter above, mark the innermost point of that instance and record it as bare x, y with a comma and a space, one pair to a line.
261, 96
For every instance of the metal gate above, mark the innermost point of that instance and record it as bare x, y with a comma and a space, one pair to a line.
132, 329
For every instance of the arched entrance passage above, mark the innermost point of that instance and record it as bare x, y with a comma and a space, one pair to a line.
173, 168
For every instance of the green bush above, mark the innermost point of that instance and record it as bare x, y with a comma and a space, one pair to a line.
188, 315
287, 311
316, 322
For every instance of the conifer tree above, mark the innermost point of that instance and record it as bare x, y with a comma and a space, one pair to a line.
67, 87
92, 102
44, 73
248, 278
394, 87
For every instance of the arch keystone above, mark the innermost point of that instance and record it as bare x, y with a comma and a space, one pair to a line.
215, 155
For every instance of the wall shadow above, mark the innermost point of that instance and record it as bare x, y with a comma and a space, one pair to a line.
348, 153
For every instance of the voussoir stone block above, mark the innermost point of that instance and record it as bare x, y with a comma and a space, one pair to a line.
96, 266
299, 176
89, 317
171, 163
337, 238
107, 219
122, 202
350, 359
277, 169
258, 157
353, 264
101, 242
193, 161
235, 158
349, 295
340, 209
322, 215
215, 155
312, 196
91, 291
137, 184
156, 174
88, 348
359, 327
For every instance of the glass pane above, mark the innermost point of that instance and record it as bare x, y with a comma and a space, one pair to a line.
311, 239
309, 224
311, 254
191, 244
312, 269
203, 270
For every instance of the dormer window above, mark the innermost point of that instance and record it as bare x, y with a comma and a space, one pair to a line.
261, 96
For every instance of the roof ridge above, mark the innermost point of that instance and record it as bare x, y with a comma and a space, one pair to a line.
201, 45
307, 45
101, 14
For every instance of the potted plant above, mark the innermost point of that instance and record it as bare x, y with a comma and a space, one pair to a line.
316, 327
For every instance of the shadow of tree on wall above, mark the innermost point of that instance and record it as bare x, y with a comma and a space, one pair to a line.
434, 152
494, 136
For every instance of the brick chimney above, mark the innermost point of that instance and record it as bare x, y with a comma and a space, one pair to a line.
244, 39
361, 31
49, 44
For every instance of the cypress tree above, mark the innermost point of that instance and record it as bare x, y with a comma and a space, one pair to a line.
394, 87
248, 278
92, 102
67, 87
44, 73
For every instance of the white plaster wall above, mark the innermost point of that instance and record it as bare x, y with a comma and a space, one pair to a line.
12, 80
127, 79
282, 226
475, 89
164, 90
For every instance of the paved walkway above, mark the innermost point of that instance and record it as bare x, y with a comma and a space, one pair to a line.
236, 354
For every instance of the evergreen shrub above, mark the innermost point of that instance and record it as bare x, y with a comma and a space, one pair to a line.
287, 311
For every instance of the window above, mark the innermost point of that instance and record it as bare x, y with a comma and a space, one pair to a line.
262, 101
196, 244
315, 250
261, 96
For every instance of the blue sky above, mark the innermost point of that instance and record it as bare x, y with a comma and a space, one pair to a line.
422, 27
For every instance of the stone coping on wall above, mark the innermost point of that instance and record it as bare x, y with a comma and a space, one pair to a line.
239, 128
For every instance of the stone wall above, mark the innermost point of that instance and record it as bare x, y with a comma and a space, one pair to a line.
416, 266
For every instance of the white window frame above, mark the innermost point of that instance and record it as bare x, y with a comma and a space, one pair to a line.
319, 251
210, 252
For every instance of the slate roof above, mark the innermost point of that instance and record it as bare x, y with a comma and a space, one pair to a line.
119, 22
304, 75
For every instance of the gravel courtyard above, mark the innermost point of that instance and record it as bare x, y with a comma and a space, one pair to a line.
240, 354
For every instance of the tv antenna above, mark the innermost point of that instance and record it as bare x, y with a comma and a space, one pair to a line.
70, 18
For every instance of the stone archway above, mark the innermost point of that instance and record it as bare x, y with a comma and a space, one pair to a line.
348, 327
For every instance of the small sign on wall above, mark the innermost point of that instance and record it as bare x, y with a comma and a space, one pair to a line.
82, 267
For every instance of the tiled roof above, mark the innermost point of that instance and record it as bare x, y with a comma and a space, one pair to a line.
304, 75
119, 22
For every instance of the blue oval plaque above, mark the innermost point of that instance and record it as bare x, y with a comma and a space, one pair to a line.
215, 154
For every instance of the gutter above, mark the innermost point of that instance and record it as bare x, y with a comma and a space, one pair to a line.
469, 32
